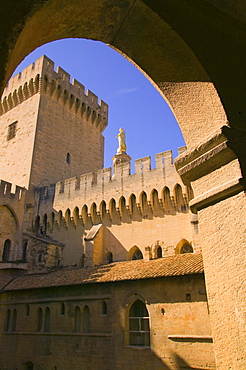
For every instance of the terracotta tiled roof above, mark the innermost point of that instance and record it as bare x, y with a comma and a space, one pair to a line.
183, 264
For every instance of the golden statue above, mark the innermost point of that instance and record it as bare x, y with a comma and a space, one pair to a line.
122, 141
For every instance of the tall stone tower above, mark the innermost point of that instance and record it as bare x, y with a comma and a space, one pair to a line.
49, 128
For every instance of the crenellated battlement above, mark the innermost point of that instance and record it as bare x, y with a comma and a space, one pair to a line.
11, 191
41, 77
103, 184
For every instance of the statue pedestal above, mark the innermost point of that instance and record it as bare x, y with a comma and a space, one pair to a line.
120, 160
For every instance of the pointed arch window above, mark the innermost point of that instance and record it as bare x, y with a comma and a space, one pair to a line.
139, 331
47, 320
135, 254
24, 251
39, 320
37, 224
14, 320
159, 252
186, 248
45, 224
57, 257
103, 209
77, 320
7, 321
6, 250
86, 319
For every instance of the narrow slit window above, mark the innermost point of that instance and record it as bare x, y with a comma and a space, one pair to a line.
27, 310
68, 158
39, 320
47, 320
86, 319
6, 250
7, 321
12, 130
14, 320
62, 309
104, 308
77, 320
159, 252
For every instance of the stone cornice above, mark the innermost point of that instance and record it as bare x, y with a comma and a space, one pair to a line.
210, 155
205, 160
216, 194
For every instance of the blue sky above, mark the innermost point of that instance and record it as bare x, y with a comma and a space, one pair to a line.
134, 103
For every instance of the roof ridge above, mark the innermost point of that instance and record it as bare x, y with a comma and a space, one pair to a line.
163, 267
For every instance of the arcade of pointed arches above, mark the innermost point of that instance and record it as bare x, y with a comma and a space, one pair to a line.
117, 212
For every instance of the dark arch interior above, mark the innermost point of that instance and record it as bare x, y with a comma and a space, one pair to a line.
178, 62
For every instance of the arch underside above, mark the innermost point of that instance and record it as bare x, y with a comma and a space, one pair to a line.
193, 52
178, 46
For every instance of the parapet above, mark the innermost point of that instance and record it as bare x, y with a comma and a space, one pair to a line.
41, 77
11, 191
93, 184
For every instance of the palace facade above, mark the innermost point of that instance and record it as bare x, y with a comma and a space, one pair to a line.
100, 267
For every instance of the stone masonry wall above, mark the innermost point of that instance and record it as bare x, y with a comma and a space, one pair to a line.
65, 112
224, 262
17, 153
59, 132
12, 200
179, 327
145, 209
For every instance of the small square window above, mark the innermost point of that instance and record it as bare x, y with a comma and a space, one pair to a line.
12, 130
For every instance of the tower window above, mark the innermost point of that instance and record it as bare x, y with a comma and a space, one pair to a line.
12, 130
68, 158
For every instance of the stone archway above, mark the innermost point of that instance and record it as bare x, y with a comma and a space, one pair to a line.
185, 48
8, 232
132, 28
